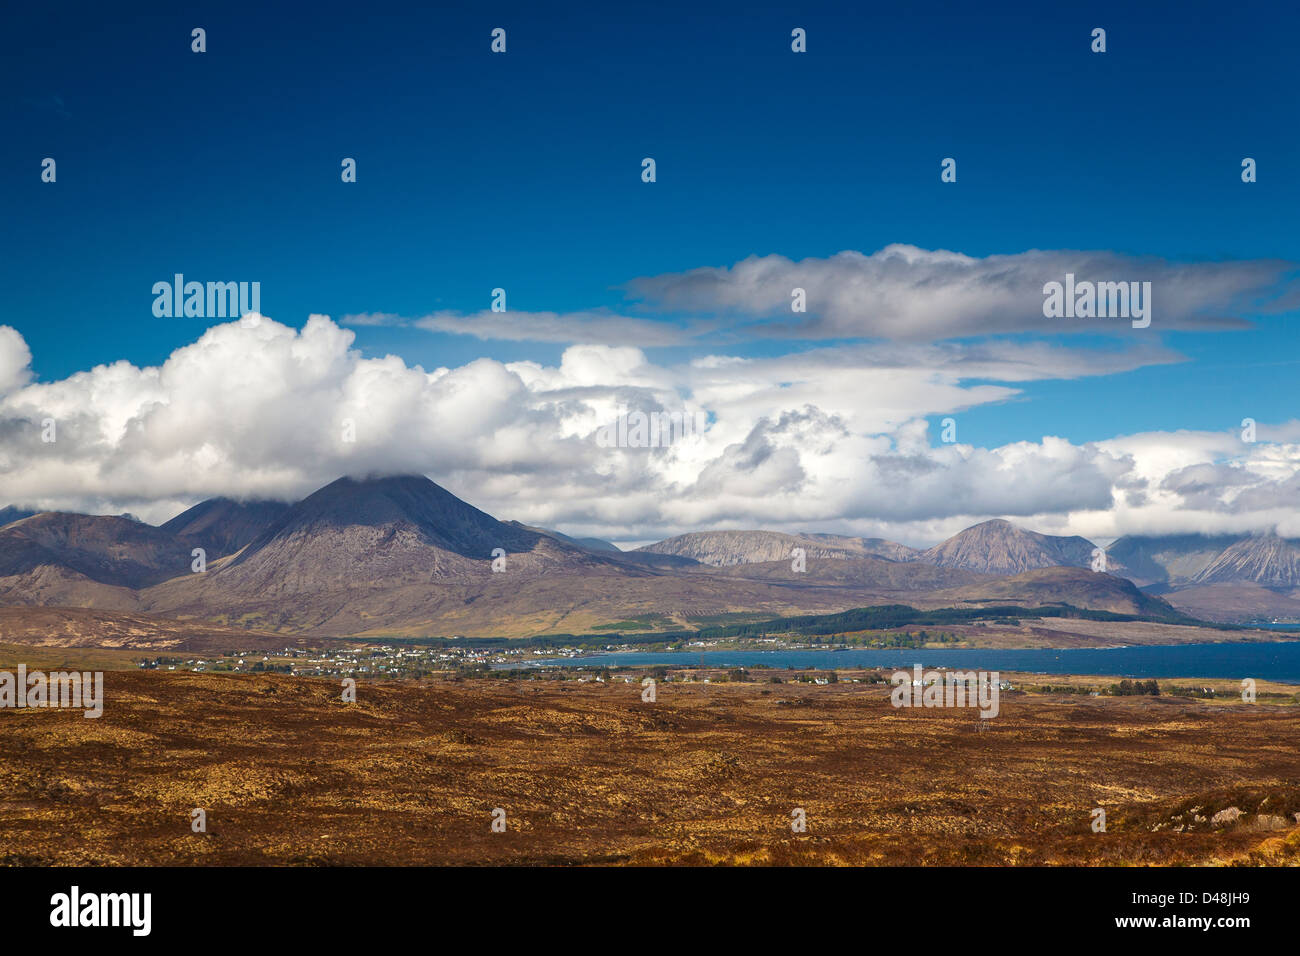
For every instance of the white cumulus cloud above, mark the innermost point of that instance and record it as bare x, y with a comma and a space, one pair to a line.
824, 439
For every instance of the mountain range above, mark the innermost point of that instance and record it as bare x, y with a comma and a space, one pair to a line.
722, 549
400, 555
1162, 565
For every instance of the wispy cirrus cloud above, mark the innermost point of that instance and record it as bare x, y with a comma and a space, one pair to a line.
598, 327
374, 319
900, 293
907, 293
593, 326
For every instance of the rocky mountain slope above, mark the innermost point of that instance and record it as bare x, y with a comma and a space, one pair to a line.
111, 551
1263, 559
382, 533
222, 526
999, 547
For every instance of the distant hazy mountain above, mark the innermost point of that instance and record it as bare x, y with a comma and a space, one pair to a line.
879, 574
722, 549
999, 547
1219, 577
645, 559
591, 544
9, 514
222, 526
1166, 559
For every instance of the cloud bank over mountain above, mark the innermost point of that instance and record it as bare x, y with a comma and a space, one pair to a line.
833, 439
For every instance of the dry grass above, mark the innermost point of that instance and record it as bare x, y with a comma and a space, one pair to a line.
588, 773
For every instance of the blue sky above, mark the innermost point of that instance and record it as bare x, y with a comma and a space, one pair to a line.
523, 171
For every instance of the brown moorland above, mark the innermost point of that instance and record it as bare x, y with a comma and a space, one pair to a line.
588, 773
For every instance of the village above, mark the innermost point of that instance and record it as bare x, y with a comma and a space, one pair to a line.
415, 660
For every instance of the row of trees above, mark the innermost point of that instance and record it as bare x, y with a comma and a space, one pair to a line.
1134, 688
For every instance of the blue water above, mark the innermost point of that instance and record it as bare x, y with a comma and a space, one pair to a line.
1276, 662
